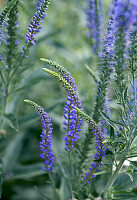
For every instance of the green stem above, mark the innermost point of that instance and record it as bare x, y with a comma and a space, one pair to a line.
56, 195
2, 77
70, 162
116, 173
71, 174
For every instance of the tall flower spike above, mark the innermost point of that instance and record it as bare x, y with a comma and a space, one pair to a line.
93, 12
11, 39
72, 119
104, 124
106, 66
124, 15
100, 147
46, 137
3, 15
72, 122
34, 26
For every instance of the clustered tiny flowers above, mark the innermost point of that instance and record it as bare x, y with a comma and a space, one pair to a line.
94, 23
34, 26
72, 121
100, 152
47, 154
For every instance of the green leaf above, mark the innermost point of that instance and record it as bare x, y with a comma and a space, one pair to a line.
92, 73
30, 80
124, 182
51, 32
12, 153
27, 171
118, 140
64, 190
132, 155
112, 134
130, 176
125, 94
111, 122
107, 160
119, 195
133, 163
11, 120
116, 94
42, 194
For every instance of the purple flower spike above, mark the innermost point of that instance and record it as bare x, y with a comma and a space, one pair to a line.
100, 147
72, 120
125, 14
34, 26
72, 123
47, 154
93, 13
100, 152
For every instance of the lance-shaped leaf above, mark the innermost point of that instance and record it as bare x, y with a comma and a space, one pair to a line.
12, 153
92, 73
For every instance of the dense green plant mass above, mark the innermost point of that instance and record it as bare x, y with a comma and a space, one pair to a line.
85, 147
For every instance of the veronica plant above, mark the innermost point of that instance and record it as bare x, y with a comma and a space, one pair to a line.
93, 163
117, 143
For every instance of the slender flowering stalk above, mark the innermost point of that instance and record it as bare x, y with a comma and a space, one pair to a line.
34, 26
11, 39
46, 137
104, 124
132, 60
72, 119
106, 66
100, 147
3, 15
93, 12
125, 17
